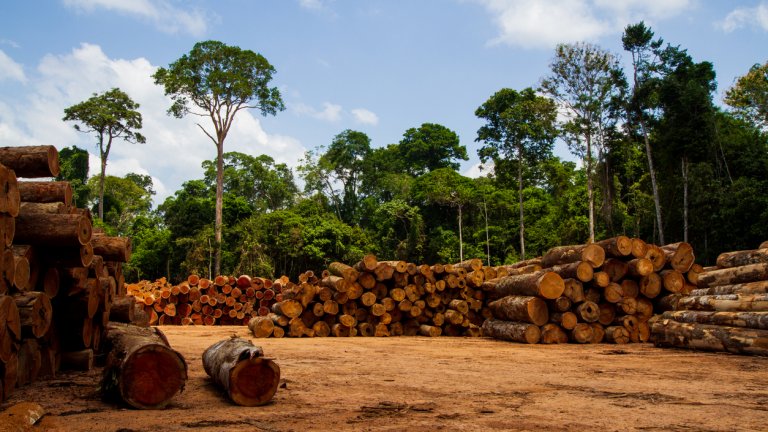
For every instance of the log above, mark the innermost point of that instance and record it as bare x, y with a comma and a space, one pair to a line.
552, 333
707, 337
340, 269
542, 284
679, 256
672, 280
657, 257
725, 302
289, 308
512, 331
613, 293
112, 248
742, 258
23, 416
566, 320
141, 368
588, 312
46, 192
617, 334
598, 333
236, 365
430, 331
31, 161
590, 253
518, 308
759, 287
574, 290
753, 320
639, 248
7, 229
582, 333
615, 268
52, 207
617, 247
607, 313
35, 313
123, 309
77, 360
734, 275
640, 267
53, 229
10, 199
579, 270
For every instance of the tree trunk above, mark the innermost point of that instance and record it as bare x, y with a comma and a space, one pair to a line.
706, 337
734, 275
742, 258
461, 239
238, 367
141, 368
544, 284
512, 331
684, 161
590, 191
726, 302
519, 308
520, 195
590, 253
219, 204
753, 320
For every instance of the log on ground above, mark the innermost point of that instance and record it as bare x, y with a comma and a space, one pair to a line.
238, 366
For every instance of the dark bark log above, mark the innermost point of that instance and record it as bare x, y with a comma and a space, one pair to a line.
35, 312
706, 337
53, 229
616, 268
590, 253
734, 275
239, 367
512, 331
760, 287
123, 309
141, 367
77, 360
753, 320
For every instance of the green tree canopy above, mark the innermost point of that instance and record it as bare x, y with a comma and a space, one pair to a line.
749, 95
429, 147
73, 167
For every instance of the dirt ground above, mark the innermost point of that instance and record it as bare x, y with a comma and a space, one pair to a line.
418, 383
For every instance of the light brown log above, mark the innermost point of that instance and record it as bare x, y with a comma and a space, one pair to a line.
601, 279
617, 334
754, 320
53, 207
430, 331
552, 333
590, 253
580, 270
628, 306
512, 331
566, 320
10, 199
725, 302
760, 287
707, 337
240, 368
543, 284
53, 229
561, 304
672, 280
607, 313
629, 322
470, 264
588, 312
21, 273
680, 256
640, 267
511, 270
35, 313
598, 333
657, 257
289, 308
141, 368
644, 309
582, 333
617, 247
278, 332
734, 275
650, 285
630, 288
639, 248
693, 274
112, 248
616, 268
460, 306
742, 258
46, 192
613, 293
31, 161
7, 229
518, 308
574, 290
340, 269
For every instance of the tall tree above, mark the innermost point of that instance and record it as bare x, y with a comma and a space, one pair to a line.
429, 147
73, 163
217, 81
583, 82
749, 96
111, 115
345, 159
638, 40
520, 127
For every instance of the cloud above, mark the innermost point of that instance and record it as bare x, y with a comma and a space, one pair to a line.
364, 116
175, 148
162, 13
480, 170
10, 70
311, 4
742, 17
537, 24
330, 112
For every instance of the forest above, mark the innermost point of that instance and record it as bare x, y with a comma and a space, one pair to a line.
659, 159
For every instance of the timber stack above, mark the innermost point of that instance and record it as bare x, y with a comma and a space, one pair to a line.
728, 312
57, 278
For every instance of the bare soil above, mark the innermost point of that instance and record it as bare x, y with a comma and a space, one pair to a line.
418, 383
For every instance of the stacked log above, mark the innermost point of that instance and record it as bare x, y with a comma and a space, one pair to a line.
56, 287
592, 293
727, 312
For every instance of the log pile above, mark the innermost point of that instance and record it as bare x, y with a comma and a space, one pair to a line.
601, 292
57, 277
728, 312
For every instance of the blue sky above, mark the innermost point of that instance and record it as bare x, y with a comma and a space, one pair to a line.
378, 66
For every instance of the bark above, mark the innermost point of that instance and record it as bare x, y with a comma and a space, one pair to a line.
123, 309
524, 309
734, 275
742, 258
725, 302
10, 199
31, 161
759, 287
512, 331
35, 313
542, 284
342, 270
46, 192
617, 247
707, 337
590, 253
112, 248
53, 229
239, 367
753, 320
141, 368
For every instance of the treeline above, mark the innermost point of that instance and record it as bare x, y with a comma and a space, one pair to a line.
407, 201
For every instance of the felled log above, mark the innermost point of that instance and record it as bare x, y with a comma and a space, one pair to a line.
261, 327
123, 309
22, 417
742, 258
754, 320
10, 199
679, 256
616, 247
31, 161
519, 308
734, 275
759, 287
46, 192
7, 229
544, 284
239, 367
111, 248
579, 270
512, 331
669, 333
725, 302
590, 253
53, 229
141, 367
582, 333
552, 333
35, 313
617, 334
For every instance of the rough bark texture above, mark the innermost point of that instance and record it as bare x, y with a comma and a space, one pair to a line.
512, 331
725, 302
112, 248
542, 284
46, 192
519, 308
237, 366
734, 275
742, 258
754, 320
620, 246
31, 161
706, 337
141, 368
53, 229
760, 287
591, 253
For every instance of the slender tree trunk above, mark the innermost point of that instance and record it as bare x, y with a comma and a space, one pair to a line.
103, 154
219, 206
520, 193
685, 198
487, 235
654, 185
461, 240
590, 192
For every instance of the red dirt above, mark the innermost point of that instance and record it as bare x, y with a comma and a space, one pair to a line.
418, 383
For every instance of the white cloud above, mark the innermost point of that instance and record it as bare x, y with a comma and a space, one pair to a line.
10, 70
741, 17
364, 116
479, 170
538, 24
175, 148
330, 112
311, 4
162, 13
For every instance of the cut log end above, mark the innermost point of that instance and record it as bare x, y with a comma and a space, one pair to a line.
153, 376
254, 381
